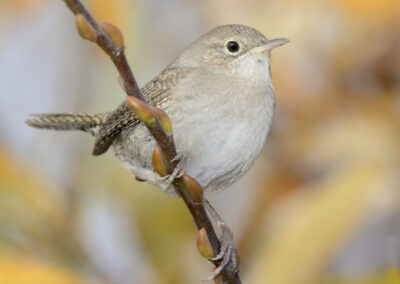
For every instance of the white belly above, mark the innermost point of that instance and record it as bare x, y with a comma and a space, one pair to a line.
217, 140
220, 148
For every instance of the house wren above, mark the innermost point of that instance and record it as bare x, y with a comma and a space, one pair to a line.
219, 96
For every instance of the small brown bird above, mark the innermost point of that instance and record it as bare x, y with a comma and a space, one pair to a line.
219, 96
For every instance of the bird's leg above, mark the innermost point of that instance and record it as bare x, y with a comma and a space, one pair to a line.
228, 253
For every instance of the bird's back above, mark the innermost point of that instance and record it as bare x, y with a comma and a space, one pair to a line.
157, 92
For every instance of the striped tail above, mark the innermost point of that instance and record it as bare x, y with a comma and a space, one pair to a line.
67, 121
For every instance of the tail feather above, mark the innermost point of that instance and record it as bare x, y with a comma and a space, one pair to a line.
67, 121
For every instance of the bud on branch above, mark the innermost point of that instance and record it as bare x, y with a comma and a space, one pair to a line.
203, 244
85, 30
164, 120
159, 163
195, 188
144, 111
114, 33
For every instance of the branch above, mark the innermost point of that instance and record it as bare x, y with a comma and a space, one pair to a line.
110, 39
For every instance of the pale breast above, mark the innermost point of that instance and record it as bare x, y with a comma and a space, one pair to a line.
219, 135
219, 127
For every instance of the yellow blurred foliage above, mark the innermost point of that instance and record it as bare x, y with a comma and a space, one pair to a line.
19, 183
315, 223
391, 276
20, 5
116, 14
25, 272
101, 9
371, 9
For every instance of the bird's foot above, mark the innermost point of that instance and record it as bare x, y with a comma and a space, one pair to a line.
227, 254
178, 172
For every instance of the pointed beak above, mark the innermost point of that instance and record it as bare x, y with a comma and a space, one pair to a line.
271, 44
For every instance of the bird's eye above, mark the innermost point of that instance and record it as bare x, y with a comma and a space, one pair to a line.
232, 46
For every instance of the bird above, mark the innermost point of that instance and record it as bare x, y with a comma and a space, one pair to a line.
219, 96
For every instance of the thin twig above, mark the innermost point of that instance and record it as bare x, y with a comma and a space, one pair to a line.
164, 140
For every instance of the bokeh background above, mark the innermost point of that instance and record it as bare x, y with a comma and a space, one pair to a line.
321, 205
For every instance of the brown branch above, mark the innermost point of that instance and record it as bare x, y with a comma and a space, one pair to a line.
165, 141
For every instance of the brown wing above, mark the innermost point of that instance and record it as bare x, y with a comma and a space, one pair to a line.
157, 92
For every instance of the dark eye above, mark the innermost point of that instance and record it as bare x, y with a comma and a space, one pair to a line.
232, 46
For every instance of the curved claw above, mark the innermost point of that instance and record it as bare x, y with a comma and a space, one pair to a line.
224, 247
220, 255
224, 263
228, 250
178, 172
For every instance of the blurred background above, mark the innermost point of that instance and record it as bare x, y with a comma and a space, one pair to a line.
321, 205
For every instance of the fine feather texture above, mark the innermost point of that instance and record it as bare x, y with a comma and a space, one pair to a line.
67, 121
105, 127
157, 93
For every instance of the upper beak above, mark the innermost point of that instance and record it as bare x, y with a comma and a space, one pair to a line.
271, 44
